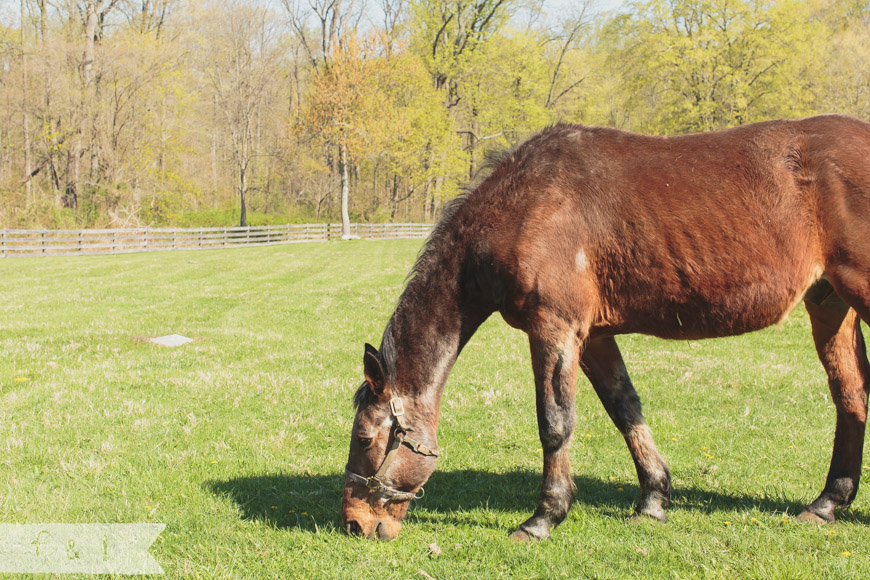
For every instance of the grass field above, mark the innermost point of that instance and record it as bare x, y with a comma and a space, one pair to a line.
238, 440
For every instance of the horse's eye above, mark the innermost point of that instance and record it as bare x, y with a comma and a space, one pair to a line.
365, 441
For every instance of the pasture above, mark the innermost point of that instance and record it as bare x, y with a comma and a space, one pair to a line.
238, 440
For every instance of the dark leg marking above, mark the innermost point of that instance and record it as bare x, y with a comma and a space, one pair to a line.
603, 365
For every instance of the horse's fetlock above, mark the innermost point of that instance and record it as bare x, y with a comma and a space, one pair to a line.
555, 501
652, 504
658, 479
558, 493
842, 491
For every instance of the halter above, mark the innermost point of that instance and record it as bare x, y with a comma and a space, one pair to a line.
375, 483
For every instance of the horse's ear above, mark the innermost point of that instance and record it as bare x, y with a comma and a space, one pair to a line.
374, 371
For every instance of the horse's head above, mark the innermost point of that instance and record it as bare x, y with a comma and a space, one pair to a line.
392, 454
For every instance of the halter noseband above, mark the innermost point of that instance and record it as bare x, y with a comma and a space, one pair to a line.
375, 482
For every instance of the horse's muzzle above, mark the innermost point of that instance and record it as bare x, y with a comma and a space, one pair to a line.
383, 530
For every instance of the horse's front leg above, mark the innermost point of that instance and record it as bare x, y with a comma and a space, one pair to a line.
555, 354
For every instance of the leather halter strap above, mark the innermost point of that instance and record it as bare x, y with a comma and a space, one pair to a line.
375, 483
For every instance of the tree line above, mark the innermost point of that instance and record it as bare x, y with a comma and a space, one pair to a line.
204, 112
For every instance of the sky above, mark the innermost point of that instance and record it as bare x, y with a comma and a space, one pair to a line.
607, 5
9, 9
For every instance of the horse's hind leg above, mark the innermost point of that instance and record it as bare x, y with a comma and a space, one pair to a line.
555, 352
603, 365
840, 344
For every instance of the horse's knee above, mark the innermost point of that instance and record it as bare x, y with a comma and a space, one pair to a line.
554, 436
848, 383
852, 407
555, 430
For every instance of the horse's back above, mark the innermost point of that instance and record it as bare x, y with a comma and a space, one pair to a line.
691, 236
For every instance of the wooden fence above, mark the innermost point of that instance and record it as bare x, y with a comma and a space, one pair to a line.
119, 241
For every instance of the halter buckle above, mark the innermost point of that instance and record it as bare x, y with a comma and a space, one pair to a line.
373, 483
397, 407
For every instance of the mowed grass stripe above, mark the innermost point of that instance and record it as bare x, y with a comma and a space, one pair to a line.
237, 441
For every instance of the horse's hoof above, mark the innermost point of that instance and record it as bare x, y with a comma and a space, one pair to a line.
521, 537
813, 518
639, 518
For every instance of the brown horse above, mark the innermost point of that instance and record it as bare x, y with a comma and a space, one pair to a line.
584, 233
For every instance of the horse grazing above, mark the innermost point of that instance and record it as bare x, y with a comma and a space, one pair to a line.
584, 233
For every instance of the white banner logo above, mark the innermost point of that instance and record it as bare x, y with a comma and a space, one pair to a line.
78, 548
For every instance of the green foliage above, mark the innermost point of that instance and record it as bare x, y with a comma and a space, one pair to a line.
845, 76
450, 34
424, 145
184, 114
696, 65
504, 87
229, 217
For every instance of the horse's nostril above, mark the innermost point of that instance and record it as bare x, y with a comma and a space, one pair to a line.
382, 533
353, 528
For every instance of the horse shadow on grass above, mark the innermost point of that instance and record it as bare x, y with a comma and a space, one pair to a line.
312, 502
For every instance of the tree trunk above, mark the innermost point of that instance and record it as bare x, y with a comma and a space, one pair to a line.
345, 190
28, 169
70, 197
472, 144
214, 141
243, 191
73, 185
394, 197
42, 19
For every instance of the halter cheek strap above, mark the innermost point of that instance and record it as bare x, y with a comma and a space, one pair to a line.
375, 482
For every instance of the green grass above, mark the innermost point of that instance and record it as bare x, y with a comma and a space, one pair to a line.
238, 440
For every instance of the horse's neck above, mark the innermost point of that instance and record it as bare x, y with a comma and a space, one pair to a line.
429, 329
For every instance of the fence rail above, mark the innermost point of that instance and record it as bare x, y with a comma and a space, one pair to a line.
120, 241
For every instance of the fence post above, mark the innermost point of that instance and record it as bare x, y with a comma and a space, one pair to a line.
145, 239
3, 243
42, 235
199, 238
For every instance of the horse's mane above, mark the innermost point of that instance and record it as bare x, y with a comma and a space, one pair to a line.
426, 259
492, 160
